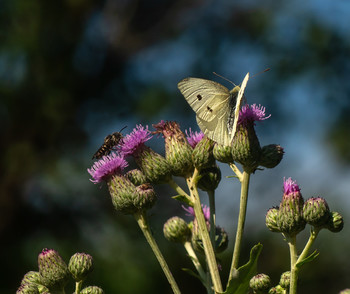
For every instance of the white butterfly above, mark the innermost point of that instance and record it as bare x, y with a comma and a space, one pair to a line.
217, 108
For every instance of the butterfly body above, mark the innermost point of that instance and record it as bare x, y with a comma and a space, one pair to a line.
216, 107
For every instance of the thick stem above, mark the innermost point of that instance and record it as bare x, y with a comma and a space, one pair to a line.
78, 286
212, 220
143, 224
241, 222
293, 268
202, 226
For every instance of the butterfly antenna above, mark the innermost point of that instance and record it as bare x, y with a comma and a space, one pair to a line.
265, 70
224, 78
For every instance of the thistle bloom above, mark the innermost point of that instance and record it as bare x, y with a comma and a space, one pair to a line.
178, 151
290, 186
134, 142
106, 167
252, 113
154, 166
190, 211
193, 138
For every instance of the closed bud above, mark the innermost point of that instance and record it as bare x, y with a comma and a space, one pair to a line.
210, 178
203, 153
223, 153
146, 197
316, 212
53, 270
136, 177
260, 283
80, 265
277, 290
345, 291
178, 151
176, 230
272, 219
27, 288
271, 155
285, 280
290, 219
246, 148
336, 222
31, 277
92, 290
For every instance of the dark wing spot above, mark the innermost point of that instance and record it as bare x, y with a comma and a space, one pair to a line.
199, 97
209, 109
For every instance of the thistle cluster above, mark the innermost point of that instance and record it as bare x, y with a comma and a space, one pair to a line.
293, 213
53, 274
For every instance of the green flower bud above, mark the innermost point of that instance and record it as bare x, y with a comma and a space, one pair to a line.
27, 288
223, 153
136, 177
80, 265
53, 270
277, 290
92, 290
272, 219
336, 222
203, 153
31, 277
146, 197
285, 280
345, 291
154, 166
178, 151
271, 155
176, 230
260, 283
210, 178
290, 218
316, 212
246, 148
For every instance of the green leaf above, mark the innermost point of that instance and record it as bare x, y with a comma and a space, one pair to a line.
183, 199
239, 283
310, 258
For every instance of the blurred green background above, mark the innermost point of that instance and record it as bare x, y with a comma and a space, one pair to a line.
73, 71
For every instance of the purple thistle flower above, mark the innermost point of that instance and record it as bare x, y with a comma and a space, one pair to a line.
193, 137
251, 113
206, 211
106, 167
290, 186
134, 142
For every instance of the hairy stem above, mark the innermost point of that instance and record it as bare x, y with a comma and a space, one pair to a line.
293, 268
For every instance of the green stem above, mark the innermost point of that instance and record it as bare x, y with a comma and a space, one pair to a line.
212, 220
178, 189
195, 260
293, 262
240, 225
313, 234
143, 224
78, 286
203, 230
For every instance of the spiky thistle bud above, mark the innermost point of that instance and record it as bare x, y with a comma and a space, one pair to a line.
154, 166
260, 283
223, 153
80, 265
290, 218
31, 277
210, 178
53, 270
27, 288
178, 151
203, 153
92, 290
128, 198
285, 280
245, 146
272, 219
176, 230
136, 177
336, 222
271, 155
316, 212
277, 290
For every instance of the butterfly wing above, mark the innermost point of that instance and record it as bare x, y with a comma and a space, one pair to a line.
210, 102
238, 105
